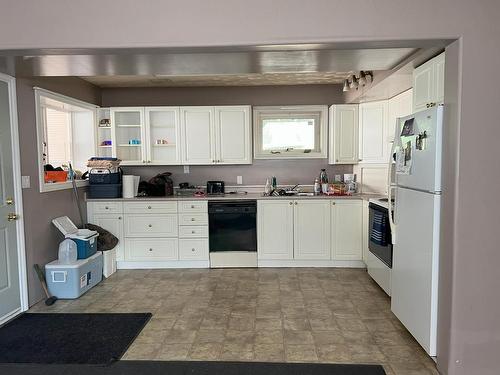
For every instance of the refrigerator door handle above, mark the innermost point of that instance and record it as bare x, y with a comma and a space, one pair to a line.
390, 186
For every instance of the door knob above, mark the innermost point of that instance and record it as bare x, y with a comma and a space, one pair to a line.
12, 216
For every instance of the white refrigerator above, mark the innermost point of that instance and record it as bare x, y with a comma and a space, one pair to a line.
416, 187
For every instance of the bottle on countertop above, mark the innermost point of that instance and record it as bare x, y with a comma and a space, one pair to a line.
317, 187
274, 183
323, 178
267, 188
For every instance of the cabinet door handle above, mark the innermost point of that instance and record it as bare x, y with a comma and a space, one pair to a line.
150, 225
150, 249
291, 203
296, 203
193, 219
149, 207
119, 217
333, 203
106, 208
192, 206
193, 249
193, 232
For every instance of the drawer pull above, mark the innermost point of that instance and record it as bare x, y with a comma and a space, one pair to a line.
193, 249
192, 206
149, 207
150, 249
107, 208
193, 232
119, 217
193, 219
150, 225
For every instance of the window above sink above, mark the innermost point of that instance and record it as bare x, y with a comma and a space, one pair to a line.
290, 132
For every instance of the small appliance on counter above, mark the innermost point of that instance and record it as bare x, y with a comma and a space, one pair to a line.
215, 187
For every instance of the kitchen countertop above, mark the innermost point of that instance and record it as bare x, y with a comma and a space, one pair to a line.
249, 196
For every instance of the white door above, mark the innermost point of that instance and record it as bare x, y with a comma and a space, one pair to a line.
11, 270
114, 225
347, 229
423, 86
275, 229
344, 127
373, 132
415, 265
311, 229
128, 135
425, 171
233, 135
163, 135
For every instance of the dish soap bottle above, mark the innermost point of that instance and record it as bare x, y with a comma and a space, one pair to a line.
267, 188
317, 187
323, 178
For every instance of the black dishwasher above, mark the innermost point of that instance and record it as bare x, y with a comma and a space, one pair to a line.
232, 226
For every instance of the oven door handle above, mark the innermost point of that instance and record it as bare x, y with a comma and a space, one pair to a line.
390, 187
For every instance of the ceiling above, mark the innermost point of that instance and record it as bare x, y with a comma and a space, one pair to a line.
281, 65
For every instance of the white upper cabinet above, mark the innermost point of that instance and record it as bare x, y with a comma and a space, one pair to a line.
344, 131
128, 134
163, 135
373, 132
428, 83
399, 106
197, 132
347, 229
311, 229
233, 135
216, 135
275, 229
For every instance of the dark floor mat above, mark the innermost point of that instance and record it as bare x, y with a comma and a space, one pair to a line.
195, 368
69, 338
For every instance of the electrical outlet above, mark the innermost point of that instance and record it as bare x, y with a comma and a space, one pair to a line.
25, 182
239, 180
186, 169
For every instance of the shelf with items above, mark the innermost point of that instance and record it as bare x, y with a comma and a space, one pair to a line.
104, 142
162, 133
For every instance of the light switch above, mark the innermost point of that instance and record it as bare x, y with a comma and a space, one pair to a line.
25, 182
239, 180
186, 169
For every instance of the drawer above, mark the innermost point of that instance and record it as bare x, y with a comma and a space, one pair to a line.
107, 207
150, 225
146, 207
193, 219
193, 206
193, 231
193, 249
151, 249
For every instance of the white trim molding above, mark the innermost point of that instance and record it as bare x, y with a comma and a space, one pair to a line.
18, 195
312, 263
144, 265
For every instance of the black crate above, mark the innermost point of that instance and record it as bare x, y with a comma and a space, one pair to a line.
105, 177
105, 191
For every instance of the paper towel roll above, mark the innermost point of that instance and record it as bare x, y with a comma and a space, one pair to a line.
130, 186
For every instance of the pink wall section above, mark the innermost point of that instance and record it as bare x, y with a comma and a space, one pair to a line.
469, 325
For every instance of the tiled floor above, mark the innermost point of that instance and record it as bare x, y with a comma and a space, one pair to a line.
289, 314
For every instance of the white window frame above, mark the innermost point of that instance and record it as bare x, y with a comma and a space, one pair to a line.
40, 132
261, 112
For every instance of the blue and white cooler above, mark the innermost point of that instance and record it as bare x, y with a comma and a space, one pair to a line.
68, 281
85, 239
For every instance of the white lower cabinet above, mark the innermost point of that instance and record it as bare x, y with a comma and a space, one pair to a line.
347, 229
113, 223
151, 249
193, 249
144, 225
311, 229
275, 229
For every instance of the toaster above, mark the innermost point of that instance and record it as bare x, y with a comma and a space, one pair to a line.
215, 187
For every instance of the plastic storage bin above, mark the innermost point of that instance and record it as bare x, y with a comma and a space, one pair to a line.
72, 280
108, 262
104, 176
85, 239
105, 191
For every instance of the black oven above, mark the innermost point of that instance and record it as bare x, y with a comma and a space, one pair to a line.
380, 240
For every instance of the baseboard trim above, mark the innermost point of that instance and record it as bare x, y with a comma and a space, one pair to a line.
127, 265
312, 263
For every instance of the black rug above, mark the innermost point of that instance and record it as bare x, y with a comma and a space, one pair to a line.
69, 338
194, 368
